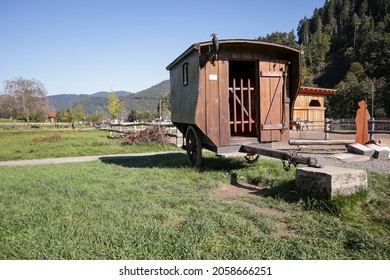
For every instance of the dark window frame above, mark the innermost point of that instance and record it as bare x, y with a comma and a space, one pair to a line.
185, 74
314, 103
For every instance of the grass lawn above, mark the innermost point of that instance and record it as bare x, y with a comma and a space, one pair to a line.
22, 144
156, 207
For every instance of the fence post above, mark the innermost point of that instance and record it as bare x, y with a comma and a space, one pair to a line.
327, 128
372, 128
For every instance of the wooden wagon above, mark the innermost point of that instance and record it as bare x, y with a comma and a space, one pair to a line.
233, 92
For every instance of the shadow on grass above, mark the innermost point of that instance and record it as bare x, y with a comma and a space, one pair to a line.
283, 189
173, 160
168, 160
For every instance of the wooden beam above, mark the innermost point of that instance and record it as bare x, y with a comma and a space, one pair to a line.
272, 126
271, 73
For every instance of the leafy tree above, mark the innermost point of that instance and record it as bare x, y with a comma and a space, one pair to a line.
133, 116
96, 118
375, 52
330, 19
166, 103
350, 91
115, 106
320, 48
356, 24
61, 116
69, 115
304, 32
24, 99
283, 38
78, 113
344, 16
144, 116
380, 89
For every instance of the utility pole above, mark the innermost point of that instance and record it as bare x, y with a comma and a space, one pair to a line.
160, 117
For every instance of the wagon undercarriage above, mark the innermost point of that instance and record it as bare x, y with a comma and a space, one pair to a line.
252, 151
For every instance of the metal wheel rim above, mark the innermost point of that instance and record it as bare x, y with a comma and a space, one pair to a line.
251, 158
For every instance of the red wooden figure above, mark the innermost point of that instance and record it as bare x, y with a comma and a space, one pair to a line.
362, 118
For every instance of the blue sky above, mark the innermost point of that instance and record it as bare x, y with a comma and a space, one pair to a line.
86, 46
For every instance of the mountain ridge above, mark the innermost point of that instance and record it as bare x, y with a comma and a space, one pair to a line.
144, 100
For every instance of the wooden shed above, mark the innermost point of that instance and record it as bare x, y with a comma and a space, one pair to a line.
309, 107
233, 92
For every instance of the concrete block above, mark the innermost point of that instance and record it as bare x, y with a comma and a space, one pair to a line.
380, 152
360, 149
330, 181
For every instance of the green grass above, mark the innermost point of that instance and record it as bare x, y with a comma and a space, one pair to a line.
156, 207
19, 144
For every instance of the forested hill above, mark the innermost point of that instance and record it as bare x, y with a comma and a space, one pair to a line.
145, 100
148, 99
91, 102
346, 46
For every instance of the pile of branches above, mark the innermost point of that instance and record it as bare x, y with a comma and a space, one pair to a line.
52, 138
154, 133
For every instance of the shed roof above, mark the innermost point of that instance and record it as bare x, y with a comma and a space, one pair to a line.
197, 46
51, 114
316, 91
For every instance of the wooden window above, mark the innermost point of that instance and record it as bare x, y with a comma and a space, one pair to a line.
315, 103
185, 74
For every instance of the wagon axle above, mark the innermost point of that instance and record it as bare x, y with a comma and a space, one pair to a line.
287, 158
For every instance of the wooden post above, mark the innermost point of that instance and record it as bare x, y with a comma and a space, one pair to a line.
235, 105
327, 128
242, 104
372, 129
249, 105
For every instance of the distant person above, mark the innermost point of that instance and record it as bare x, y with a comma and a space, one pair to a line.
361, 120
73, 125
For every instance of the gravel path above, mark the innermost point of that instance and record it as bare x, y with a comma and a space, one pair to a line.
373, 165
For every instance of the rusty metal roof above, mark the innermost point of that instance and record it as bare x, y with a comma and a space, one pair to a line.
316, 91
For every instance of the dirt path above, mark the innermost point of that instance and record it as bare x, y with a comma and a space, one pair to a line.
229, 193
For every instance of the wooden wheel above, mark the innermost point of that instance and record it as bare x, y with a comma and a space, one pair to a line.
250, 158
193, 147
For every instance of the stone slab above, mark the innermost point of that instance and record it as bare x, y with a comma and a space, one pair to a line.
380, 152
360, 149
330, 181
387, 148
349, 157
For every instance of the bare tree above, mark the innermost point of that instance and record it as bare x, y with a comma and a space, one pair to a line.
24, 99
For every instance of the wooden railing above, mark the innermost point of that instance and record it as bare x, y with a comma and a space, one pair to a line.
349, 127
